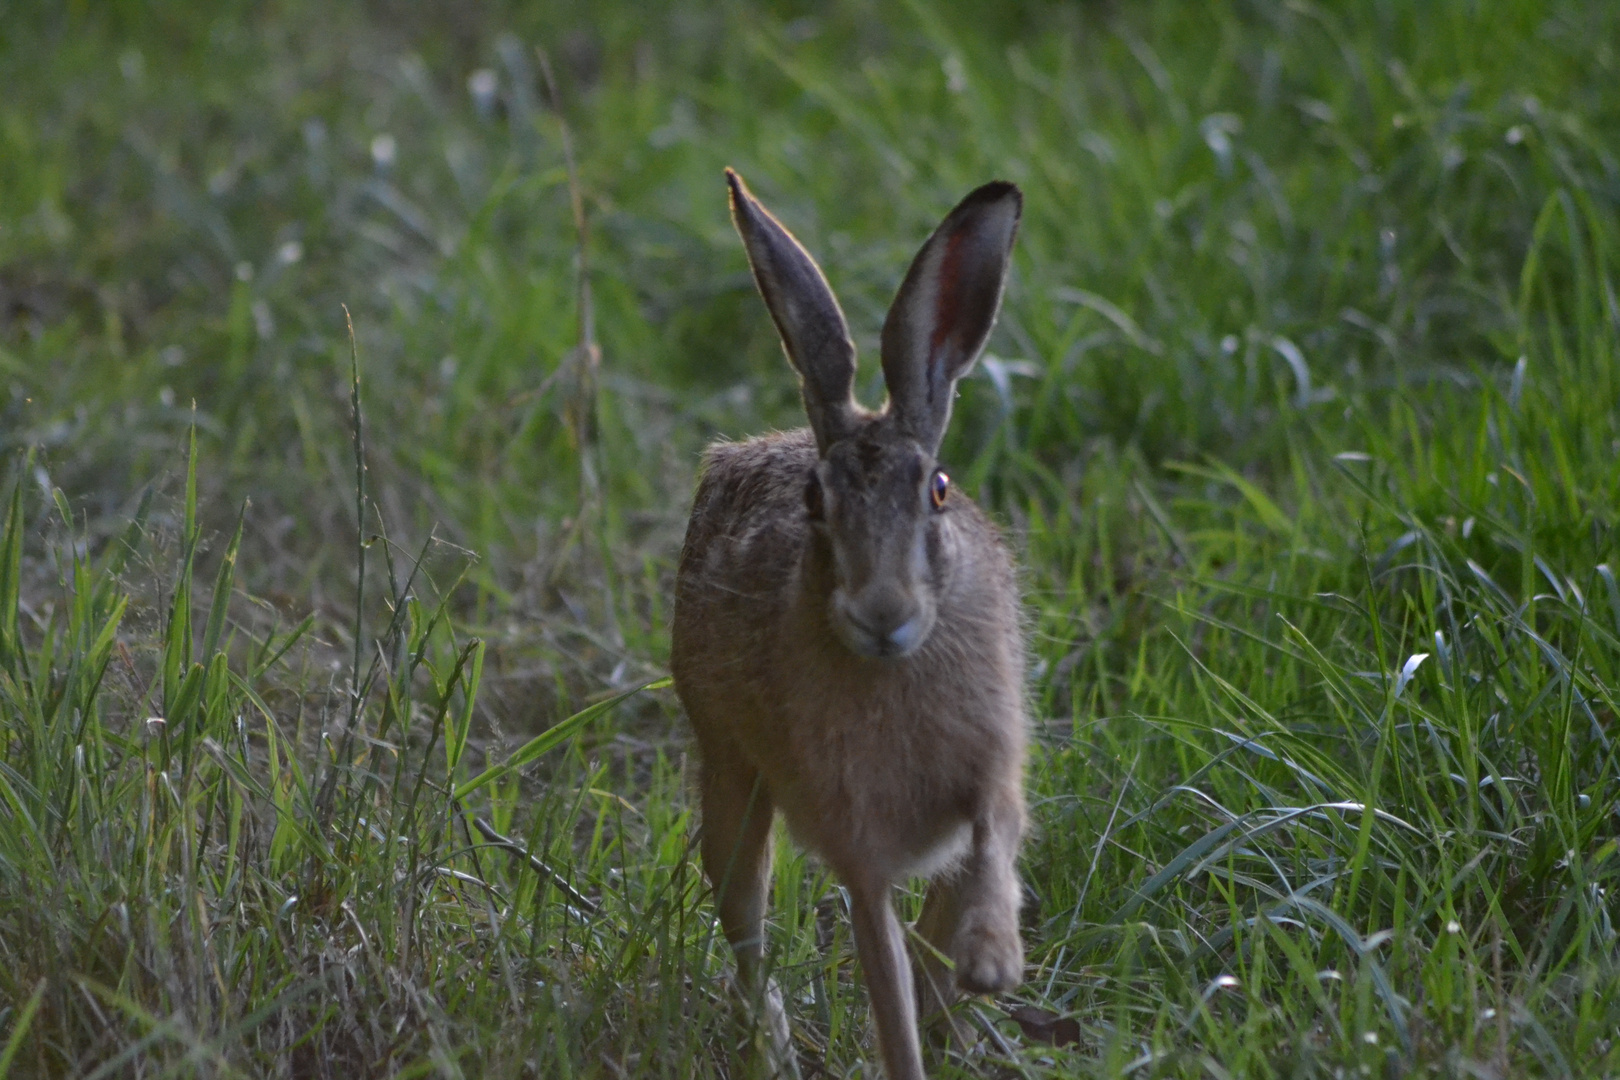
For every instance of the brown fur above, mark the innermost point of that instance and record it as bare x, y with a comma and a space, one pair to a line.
886, 764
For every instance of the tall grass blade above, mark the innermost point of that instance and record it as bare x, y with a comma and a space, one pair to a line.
554, 736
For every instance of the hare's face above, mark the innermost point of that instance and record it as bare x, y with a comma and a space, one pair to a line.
876, 498
877, 503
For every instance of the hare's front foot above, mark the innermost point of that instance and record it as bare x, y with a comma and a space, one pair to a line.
988, 953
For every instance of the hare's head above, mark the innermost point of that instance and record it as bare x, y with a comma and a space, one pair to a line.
877, 496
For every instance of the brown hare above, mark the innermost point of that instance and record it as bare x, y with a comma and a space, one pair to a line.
847, 634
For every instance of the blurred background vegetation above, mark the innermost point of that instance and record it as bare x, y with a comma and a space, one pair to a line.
1303, 410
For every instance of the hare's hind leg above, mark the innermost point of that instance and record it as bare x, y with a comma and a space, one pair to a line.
936, 925
737, 813
880, 942
936, 985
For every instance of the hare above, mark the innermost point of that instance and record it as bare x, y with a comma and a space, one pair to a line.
847, 638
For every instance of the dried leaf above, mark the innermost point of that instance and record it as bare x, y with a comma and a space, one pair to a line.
1041, 1025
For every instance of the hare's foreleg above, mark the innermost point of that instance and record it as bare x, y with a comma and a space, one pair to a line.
881, 944
986, 947
737, 813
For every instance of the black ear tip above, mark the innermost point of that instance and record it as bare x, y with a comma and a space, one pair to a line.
993, 192
739, 190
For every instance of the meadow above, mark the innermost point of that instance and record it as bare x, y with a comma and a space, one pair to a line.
355, 361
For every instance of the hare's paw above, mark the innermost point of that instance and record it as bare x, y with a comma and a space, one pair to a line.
989, 955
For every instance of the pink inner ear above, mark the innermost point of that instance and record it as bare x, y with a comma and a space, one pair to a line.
945, 299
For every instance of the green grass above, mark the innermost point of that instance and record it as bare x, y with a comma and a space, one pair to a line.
1304, 413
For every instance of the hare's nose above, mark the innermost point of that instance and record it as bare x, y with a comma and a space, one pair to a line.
907, 636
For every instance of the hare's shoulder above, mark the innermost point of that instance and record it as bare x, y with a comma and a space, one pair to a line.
752, 493
765, 461
759, 480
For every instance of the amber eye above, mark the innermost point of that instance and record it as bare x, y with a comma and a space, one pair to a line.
812, 497
939, 486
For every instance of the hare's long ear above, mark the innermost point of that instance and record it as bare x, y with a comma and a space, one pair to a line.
805, 312
945, 308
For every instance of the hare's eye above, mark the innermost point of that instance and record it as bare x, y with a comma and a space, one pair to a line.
812, 497
939, 486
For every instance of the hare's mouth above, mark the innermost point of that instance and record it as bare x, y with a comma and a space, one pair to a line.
880, 635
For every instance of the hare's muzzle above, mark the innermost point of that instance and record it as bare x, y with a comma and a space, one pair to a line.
880, 621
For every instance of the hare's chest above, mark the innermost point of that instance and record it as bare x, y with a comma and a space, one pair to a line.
882, 787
